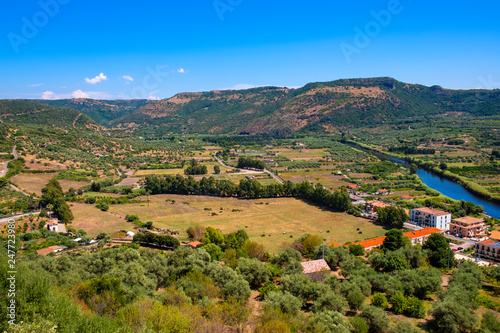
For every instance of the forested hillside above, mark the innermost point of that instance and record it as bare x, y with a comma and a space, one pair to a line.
24, 112
103, 112
315, 107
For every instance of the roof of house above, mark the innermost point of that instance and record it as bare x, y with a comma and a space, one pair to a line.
376, 203
431, 211
382, 190
352, 186
53, 221
421, 232
406, 197
49, 249
490, 242
315, 266
495, 235
372, 242
468, 220
194, 244
334, 244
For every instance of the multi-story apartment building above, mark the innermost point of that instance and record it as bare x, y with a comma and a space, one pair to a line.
431, 218
468, 227
488, 249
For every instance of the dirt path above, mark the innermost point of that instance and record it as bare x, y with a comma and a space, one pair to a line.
76, 119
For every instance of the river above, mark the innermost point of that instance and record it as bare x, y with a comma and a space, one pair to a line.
442, 185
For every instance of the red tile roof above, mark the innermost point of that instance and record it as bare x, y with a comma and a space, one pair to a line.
407, 197
487, 242
431, 211
334, 244
372, 242
48, 250
495, 235
421, 232
352, 186
382, 190
315, 266
468, 220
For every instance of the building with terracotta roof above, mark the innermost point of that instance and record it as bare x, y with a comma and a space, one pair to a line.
429, 217
50, 249
371, 206
495, 235
53, 225
315, 269
420, 236
372, 243
382, 191
488, 249
416, 237
352, 186
468, 226
334, 244
407, 197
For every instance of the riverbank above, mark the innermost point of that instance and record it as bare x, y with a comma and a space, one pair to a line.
472, 188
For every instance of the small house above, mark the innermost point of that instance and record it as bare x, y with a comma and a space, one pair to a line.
315, 269
53, 225
50, 249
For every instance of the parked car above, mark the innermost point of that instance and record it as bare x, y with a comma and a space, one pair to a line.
460, 248
455, 250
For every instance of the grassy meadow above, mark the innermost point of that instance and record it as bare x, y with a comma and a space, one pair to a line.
271, 222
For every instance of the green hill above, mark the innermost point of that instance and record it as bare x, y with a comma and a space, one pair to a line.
24, 112
315, 107
103, 112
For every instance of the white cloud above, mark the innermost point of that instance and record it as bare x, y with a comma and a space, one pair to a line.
152, 95
181, 70
35, 85
49, 95
128, 77
79, 94
242, 86
99, 78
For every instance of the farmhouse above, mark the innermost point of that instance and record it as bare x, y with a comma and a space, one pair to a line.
429, 217
407, 197
371, 206
50, 249
382, 191
53, 225
468, 227
315, 269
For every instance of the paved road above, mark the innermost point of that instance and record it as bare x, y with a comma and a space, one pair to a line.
16, 217
250, 172
15, 188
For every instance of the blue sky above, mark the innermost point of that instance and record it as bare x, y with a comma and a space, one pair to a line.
155, 49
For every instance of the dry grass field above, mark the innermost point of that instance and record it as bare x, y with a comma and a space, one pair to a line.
33, 183
271, 222
94, 221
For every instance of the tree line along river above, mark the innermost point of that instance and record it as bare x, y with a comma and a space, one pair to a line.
440, 184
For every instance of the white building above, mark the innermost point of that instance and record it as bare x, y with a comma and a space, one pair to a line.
53, 225
432, 218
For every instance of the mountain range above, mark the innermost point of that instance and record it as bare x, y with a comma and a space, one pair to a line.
322, 106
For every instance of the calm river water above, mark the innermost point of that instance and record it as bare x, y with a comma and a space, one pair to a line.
444, 186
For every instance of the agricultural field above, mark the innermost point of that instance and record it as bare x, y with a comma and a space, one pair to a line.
272, 222
33, 183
